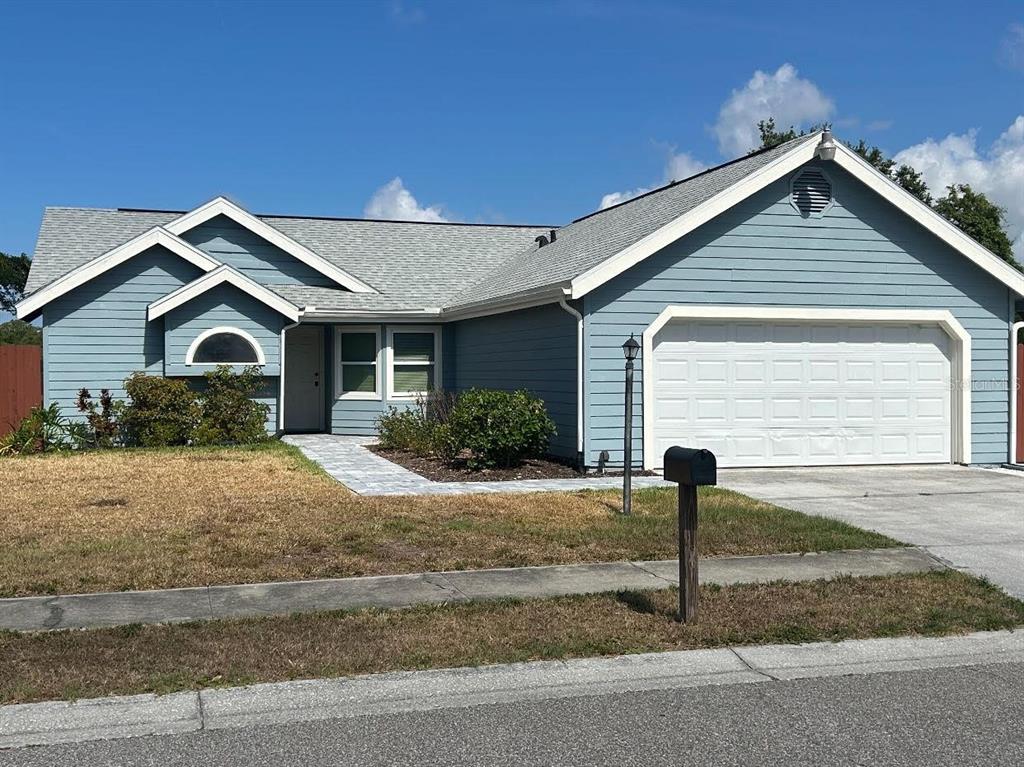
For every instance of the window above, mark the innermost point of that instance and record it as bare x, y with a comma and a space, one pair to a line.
225, 346
414, 355
358, 373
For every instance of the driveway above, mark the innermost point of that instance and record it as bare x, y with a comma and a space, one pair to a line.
972, 519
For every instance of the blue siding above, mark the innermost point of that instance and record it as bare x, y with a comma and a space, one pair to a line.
532, 349
97, 335
862, 253
250, 254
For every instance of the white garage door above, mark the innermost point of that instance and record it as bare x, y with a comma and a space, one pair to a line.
792, 394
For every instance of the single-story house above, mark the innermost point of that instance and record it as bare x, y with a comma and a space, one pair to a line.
795, 308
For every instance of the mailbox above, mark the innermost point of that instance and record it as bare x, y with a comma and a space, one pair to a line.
691, 466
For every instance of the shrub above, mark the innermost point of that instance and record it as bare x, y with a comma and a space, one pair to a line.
43, 430
101, 427
407, 429
228, 415
498, 428
160, 412
18, 332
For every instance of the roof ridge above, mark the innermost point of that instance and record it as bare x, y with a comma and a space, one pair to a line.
704, 172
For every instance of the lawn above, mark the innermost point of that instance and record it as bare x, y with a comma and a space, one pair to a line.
132, 659
146, 519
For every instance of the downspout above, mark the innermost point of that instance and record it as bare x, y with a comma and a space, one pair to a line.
579, 377
280, 377
1015, 329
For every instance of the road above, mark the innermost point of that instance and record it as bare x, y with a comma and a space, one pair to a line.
963, 716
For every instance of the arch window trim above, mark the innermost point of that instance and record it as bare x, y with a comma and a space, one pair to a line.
197, 342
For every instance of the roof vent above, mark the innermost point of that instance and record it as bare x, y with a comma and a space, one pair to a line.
552, 235
541, 240
811, 193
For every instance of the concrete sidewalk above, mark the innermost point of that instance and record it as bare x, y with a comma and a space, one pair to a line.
391, 591
316, 700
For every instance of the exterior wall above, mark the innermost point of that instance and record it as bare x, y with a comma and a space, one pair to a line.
533, 349
250, 254
97, 335
862, 253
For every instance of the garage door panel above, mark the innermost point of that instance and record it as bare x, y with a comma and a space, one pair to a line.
798, 393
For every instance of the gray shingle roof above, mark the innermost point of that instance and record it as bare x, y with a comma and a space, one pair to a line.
589, 241
416, 265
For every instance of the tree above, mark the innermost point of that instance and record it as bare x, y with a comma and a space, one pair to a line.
979, 217
13, 275
18, 332
904, 175
771, 137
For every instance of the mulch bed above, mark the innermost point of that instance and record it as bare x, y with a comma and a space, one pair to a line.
532, 468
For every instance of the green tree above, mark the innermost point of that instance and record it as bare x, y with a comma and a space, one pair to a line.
13, 274
18, 332
771, 136
979, 217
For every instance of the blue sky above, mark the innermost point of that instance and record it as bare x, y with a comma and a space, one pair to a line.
508, 112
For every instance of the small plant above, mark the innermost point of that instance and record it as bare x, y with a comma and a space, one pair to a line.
160, 412
499, 428
229, 416
407, 429
100, 419
43, 430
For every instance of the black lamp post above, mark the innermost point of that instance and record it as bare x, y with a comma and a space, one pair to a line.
630, 350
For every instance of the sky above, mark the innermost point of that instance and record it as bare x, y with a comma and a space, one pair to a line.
521, 112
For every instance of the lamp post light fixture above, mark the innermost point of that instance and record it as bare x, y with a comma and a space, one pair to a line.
826, 149
629, 349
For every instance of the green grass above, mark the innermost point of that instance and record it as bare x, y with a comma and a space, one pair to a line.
163, 659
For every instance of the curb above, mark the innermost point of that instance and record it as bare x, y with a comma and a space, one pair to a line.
37, 724
76, 611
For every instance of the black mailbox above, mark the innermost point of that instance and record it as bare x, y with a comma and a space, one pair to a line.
691, 466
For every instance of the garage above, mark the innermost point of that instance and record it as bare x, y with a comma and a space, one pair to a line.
788, 391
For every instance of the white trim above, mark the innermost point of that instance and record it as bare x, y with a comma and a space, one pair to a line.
1015, 382
961, 363
378, 363
280, 396
114, 257
845, 158
390, 358
190, 354
579, 373
218, 276
221, 206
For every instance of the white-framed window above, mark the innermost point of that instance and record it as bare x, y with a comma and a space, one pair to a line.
225, 346
414, 360
357, 362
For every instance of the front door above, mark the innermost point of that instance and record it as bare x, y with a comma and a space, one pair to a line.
303, 378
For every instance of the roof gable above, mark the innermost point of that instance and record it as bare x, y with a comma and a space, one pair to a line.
221, 206
219, 276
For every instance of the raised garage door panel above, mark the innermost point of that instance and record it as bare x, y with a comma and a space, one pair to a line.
790, 394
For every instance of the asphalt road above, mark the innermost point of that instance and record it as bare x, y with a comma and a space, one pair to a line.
962, 716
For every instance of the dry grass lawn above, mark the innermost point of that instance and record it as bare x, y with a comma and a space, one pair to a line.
146, 519
82, 664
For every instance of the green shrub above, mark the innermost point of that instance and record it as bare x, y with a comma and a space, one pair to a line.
160, 411
406, 429
498, 428
100, 427
43, 430
229, 416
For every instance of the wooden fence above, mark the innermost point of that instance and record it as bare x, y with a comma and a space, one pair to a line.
21, 383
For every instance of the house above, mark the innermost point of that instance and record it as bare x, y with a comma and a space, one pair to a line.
795, 308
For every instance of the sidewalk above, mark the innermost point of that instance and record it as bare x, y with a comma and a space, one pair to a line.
390, 591
313, 700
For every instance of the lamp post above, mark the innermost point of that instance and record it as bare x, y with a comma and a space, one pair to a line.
629, 349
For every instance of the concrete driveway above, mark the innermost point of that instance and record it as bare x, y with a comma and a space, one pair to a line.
973, 519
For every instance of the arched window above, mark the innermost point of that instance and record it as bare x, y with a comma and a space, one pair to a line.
225, 346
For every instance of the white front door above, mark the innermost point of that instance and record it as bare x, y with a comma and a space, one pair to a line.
303, 378
781, 393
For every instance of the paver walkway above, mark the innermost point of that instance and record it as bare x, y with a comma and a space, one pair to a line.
390, 591
366, 473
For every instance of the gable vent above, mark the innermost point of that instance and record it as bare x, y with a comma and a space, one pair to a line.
811, 193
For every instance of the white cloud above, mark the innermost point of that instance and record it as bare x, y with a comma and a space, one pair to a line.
998, 171
678, 166
790, 99
1013, 47
393, 201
